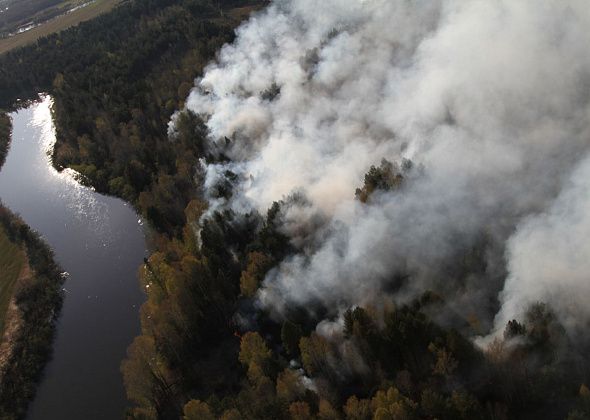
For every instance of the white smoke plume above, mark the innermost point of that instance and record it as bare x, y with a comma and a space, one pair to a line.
492, 99
549, 257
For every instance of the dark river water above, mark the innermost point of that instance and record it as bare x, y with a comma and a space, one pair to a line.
100, 242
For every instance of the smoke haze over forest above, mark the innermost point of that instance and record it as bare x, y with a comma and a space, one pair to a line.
489, 100
358, 209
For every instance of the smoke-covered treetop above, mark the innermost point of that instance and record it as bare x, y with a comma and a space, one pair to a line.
488, 99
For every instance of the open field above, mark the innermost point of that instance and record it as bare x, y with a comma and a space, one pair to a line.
11, 264
17, 14
58, 24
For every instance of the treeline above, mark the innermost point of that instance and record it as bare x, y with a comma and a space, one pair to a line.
39, 299
406, 368
207, 352
116, 80
189, 345
5, 133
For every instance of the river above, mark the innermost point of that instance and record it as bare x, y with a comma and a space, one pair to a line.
100, 242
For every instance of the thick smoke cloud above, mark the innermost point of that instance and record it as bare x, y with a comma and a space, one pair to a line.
489, 99
548, 256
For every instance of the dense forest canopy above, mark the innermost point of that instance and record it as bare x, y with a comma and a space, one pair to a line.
115, 81
353, 218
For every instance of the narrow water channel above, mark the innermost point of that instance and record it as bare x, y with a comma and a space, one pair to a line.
100, 242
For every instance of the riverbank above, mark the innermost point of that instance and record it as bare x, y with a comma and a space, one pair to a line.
115, 133
12, 268
31, 311
5, 132
30, 299
99, 241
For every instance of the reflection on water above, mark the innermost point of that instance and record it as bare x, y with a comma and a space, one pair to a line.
99, 241
81, 202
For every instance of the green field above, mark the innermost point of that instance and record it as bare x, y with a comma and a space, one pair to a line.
11, 265
57, 24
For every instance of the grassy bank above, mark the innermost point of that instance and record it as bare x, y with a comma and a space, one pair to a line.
34, 291
12, 259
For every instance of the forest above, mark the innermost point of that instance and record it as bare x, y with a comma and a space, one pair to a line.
205, 342
207, 349
116, 81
